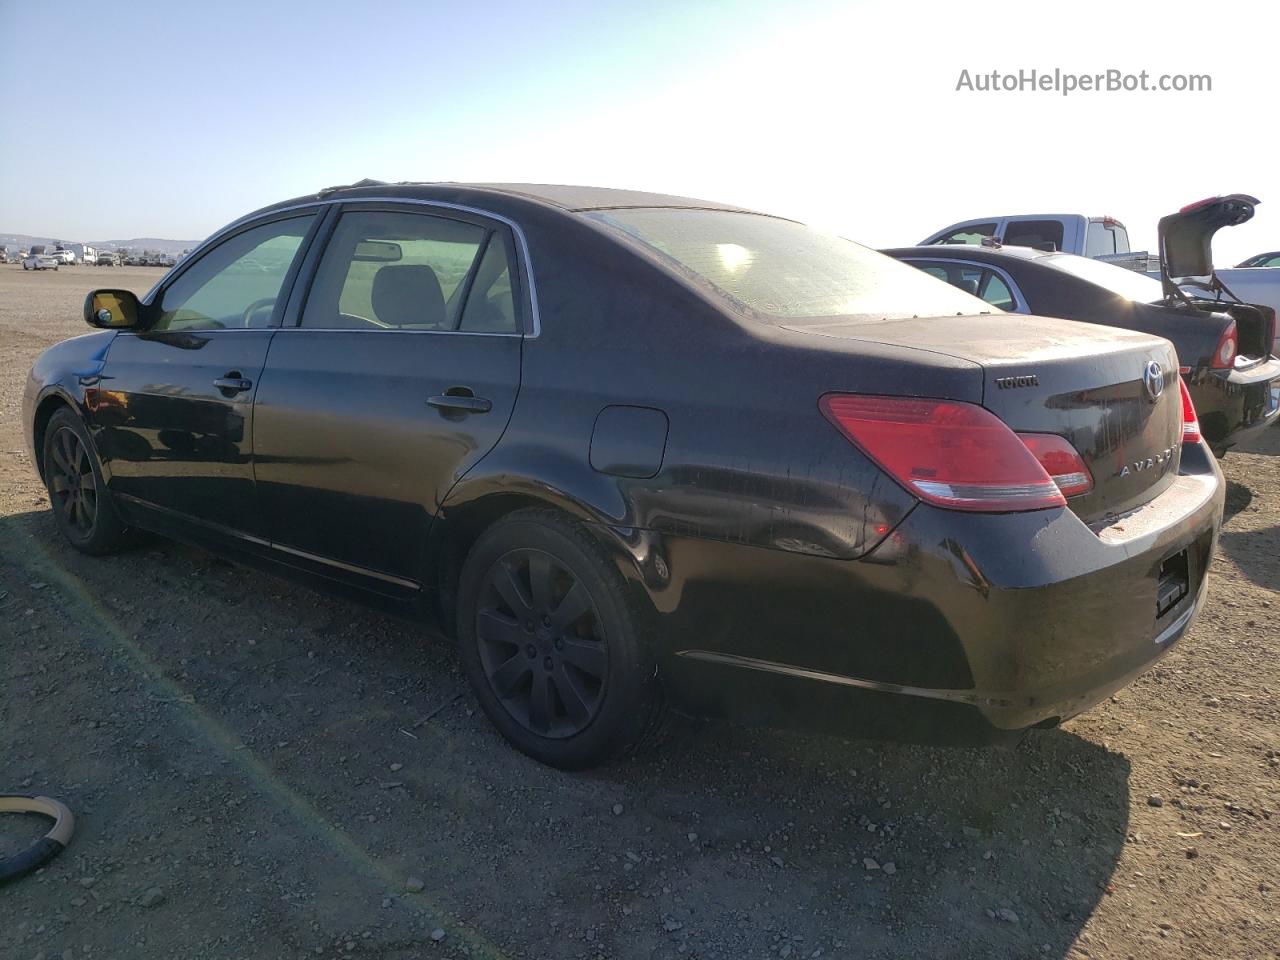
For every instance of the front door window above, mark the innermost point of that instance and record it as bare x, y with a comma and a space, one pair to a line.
236, 285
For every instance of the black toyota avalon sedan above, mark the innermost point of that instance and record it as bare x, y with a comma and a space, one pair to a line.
640, 453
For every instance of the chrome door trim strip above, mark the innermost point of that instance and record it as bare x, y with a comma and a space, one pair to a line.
260, 542
348, 567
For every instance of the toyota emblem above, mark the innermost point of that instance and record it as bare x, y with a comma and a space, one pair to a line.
1153, 379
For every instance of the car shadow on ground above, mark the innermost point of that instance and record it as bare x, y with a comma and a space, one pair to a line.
1252, 551
1238, 498
725, 841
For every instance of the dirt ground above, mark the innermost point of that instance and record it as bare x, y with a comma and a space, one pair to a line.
259, 771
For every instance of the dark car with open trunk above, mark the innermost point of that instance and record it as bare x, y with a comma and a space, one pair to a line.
1224, 345
639, 452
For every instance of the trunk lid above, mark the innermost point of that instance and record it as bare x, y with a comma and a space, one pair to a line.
1093, 385
1186, 239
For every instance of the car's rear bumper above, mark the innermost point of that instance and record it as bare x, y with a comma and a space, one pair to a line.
956, 628
1236, 405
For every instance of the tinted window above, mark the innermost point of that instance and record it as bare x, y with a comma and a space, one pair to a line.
491, 303
783, 269
974, 233
394, 271
972, 280
237, 283
997, 293
1122, 239
1033, 233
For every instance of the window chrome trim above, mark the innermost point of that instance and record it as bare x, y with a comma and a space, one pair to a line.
1018, 298
522, 242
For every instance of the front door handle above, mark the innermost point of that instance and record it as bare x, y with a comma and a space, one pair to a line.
460, 403
232, 383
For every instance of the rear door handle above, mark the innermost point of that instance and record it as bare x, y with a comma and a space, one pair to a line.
460, 403
233, 383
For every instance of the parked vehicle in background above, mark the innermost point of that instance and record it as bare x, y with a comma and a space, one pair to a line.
1223, 352
64, 256
82, 252
105, 259
1186, 258
41, 261
1262, 260
1101, 238
932, 500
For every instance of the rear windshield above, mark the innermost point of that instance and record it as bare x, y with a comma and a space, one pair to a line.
786, 270
1127, 283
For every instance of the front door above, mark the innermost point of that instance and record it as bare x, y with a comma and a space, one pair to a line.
174, 410
400, 375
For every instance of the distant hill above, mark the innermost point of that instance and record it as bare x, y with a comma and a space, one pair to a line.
21, 241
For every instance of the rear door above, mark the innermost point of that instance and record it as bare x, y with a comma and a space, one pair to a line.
399, 374
174, 410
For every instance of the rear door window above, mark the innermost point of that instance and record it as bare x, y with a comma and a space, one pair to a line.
1034, 233
974, 280
996, 292
392, 270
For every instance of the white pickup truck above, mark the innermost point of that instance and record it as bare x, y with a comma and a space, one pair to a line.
1105, 238
1102, 238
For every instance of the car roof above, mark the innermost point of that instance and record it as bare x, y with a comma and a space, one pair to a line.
567, 197
969, 251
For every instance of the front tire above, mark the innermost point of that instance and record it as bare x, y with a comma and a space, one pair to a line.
78, 493
552, 645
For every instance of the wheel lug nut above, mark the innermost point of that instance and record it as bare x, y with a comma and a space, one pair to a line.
547, 663
559, 643
531, 650
528, 626
546, 621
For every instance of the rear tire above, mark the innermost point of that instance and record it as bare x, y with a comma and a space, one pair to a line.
78, 493
552, 645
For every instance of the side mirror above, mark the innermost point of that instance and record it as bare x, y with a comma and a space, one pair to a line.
112, 309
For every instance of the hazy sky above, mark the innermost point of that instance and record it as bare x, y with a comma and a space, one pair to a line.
126, 119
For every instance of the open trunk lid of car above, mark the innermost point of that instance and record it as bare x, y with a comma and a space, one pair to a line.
1113, 394
1186, 261
1186, 239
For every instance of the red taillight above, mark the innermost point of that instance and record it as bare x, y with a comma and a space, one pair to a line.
951, 454
1190, 422
1224, 354
1061, 461
1198, 204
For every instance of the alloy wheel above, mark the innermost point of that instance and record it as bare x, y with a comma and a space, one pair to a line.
72, 484
542, 644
